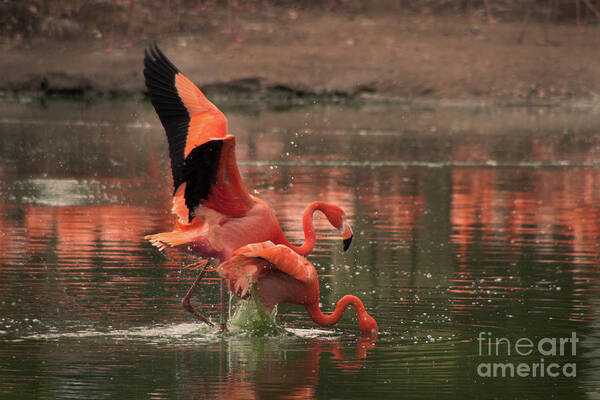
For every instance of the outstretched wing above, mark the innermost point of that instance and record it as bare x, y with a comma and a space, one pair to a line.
203, 161
278, 256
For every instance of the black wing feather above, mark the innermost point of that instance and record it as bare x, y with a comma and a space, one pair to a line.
160, 73
200, 173
199, 169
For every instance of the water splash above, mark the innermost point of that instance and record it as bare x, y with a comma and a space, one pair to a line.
251, 317
158, 334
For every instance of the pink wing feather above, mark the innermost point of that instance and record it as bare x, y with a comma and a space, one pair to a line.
246, 264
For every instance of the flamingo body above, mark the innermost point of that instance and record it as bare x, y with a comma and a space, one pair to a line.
215, 213
277, 274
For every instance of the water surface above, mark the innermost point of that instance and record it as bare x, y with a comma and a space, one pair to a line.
469, 223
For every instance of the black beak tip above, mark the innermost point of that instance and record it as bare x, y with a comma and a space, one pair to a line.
347, 243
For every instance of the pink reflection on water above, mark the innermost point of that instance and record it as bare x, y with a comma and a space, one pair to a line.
82, 233
396, 203
271, 374
552, 215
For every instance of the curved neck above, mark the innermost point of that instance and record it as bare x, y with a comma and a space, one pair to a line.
308, 227
328, 320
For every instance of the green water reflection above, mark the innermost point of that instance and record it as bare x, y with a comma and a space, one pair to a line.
466, 221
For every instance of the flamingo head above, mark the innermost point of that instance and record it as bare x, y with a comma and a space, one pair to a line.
337, 218
367, 324
347, 234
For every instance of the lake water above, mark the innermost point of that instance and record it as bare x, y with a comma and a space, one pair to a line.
477, 239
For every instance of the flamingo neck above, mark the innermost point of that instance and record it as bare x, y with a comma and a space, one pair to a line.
308, 227
364, 319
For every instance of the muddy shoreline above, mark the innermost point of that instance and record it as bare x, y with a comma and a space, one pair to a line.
311, 54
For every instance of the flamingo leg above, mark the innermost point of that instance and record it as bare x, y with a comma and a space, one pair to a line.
186, 300
197, 264
223, 322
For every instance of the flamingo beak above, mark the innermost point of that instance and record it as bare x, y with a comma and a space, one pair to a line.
347, 235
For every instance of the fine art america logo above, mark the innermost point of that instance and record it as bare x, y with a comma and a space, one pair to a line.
525, 347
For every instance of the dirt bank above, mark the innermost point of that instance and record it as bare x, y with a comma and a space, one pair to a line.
293, 52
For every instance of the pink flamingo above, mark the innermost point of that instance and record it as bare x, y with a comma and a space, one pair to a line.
277, 274
215, 213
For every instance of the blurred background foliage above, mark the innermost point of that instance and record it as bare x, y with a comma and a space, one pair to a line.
95, 18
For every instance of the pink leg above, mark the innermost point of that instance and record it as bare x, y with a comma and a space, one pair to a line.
186, 300
223, 322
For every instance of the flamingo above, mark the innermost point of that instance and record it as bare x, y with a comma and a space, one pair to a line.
215, 213
277, 274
